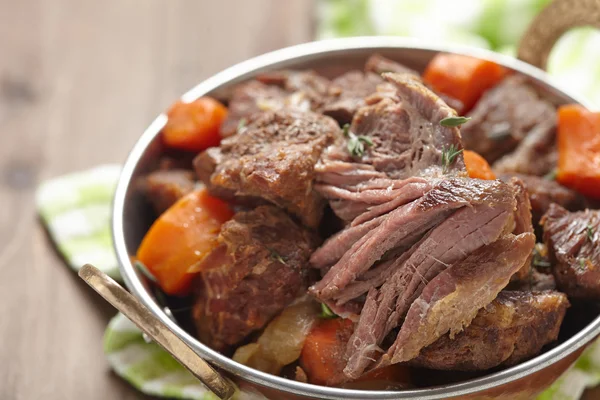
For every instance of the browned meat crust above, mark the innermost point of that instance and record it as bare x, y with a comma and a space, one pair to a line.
259, 267
573, 240
273, 159
511, 329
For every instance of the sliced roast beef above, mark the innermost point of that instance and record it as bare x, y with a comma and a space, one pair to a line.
347, 94
403, 226
535, 155
259, 267
430, 140
297, 90
573, 240
164, 187
503, 117
522, 217
369, 200
451, 300
273, 158
404, 140
543, 192
450, 242
512, 328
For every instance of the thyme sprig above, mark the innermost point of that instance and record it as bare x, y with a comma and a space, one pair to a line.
590, 232
326, 312
448, 156
356, 143
451, 122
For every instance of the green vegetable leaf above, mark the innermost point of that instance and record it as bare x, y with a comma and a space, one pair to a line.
551, 176
275, 256
539, 260
448, 156
241, 125
356, 144
346, 130
590, 232
326, 312
451, 122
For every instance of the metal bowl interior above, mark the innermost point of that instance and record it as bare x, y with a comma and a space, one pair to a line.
131, 218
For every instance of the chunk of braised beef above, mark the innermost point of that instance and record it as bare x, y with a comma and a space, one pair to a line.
163, 188
272, 91
573, 241
347, 94
247, 99
259, 267
535, 155
543, 192
504, 117
511, 329
273, 159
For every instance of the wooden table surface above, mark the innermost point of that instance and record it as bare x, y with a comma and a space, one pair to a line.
79, 81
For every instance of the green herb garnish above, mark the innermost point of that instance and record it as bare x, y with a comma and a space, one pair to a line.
356, 144
277, 257
242, 124
448, 156
451, 122
326, 312
582, 264
551, 176
145, 271
590, 232
539, 261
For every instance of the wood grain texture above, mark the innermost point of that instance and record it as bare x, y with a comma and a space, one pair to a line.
79, 81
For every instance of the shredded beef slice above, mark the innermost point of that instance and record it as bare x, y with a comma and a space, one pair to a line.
407, 142
451, 300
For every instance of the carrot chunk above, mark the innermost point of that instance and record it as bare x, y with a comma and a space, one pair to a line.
578, 141
194, 126
477, 166
322, 356
181, 237
463, 78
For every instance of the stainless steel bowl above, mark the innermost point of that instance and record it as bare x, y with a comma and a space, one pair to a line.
332, 57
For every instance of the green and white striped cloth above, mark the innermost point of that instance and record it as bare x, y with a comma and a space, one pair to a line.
76, 210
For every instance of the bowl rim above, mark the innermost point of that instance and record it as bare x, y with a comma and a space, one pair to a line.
281, 58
